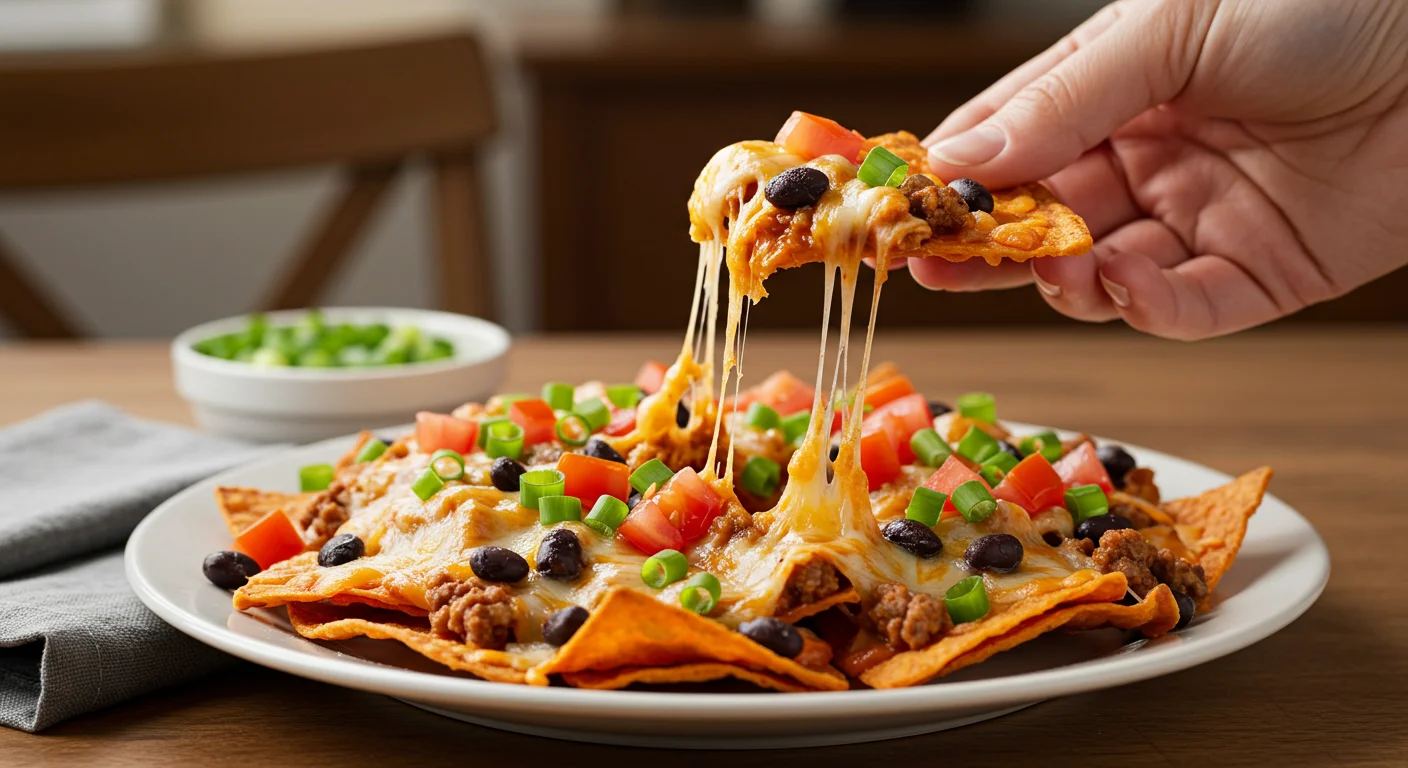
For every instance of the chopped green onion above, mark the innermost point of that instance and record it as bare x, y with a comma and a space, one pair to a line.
794, 427
653, 472
929, 447
371, 450
926, 506
996, 467
558, 509
427, 485
979, 406
315, 477
533, 486
882, 168
1085, 502
974, 501
978, 446
1045, 443
607, 515
505, 439
558, 395
269, 357
664, 568
761, 476
594, 411
967, 600
484, 424
762, 417
317, 358
448, 464
572, 429
701, 593
624, 395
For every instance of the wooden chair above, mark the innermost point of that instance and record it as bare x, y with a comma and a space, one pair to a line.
172, 112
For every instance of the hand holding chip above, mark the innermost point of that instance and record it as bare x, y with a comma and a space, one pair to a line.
1236, 161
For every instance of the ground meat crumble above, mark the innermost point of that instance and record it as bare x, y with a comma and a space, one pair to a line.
326, 514
1145, 567
817, 580
908, 621
942, 208
475, 611
1140, 482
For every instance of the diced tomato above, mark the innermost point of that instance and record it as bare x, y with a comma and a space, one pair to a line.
952, 474
690, 503
435, 431
785, 393
809, 136
622, 422
589, 478
272, 538
893, 429
537, 419
1032, 485
889, 390
877, 457
903, 417
1083, 467
651, 377
649, 530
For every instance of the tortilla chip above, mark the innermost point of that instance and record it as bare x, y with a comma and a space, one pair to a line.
632, 629
847, 595
1220, 517
299, 579
242, 507
350, 458
680, 673
318, 621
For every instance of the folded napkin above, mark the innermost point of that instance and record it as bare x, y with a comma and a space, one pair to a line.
74, 482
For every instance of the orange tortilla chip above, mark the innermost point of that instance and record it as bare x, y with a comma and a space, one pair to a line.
631, 629
847, 595
300, 580
680, 673
242, 507
1220, 516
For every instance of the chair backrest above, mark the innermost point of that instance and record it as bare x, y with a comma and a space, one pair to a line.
165, 114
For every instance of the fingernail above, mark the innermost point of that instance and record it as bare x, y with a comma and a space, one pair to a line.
1051, 291
978, 145
1118, 293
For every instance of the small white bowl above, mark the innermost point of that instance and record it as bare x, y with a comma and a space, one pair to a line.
274, 404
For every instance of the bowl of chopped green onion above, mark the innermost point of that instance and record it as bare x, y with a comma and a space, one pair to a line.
303, 375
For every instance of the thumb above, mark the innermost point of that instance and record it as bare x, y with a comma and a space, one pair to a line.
1141, 62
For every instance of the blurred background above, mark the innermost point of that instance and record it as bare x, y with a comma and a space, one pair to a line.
165, 162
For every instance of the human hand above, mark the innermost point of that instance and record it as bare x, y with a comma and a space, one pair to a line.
1236, 161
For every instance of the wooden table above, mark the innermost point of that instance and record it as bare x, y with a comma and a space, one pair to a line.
1326, 408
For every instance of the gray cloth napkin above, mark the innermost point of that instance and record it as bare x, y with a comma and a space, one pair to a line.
74, 482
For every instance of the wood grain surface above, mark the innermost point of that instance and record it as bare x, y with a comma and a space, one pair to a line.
1326, 408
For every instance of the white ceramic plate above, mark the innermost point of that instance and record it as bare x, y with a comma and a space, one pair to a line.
1282, 568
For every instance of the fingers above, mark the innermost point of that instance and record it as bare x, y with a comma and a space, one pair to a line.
939, 274
1073, 285
1095, 187
1203, 297
1141, 61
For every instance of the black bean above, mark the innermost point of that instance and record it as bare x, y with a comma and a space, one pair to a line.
974, 194
633, 499
835, 451
937, 409
341, 549
1117, 462
504, 473
1094, 527
914, 537
1053, 538
773, 634
599, 448
229, 570
796, 187
562, 625
1010, 449
681, 416
1187, 609
560, 555
995, 552
498, 564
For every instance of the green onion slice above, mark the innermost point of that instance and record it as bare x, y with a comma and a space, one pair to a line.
558, 509
607, 515
882, 168
370, 451
978, 445
967, 600
484, 425
979, 406
701, 593
794, 427
505, 439
664, 568
997, 466
762, 417
558, 395
594, 411
533, 486
926, 506
653, 472
315, 477
427, 485
624, 395
448, 464
929, 447
761, 476
974, 501
572, 429
1045, 443
1085, 502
